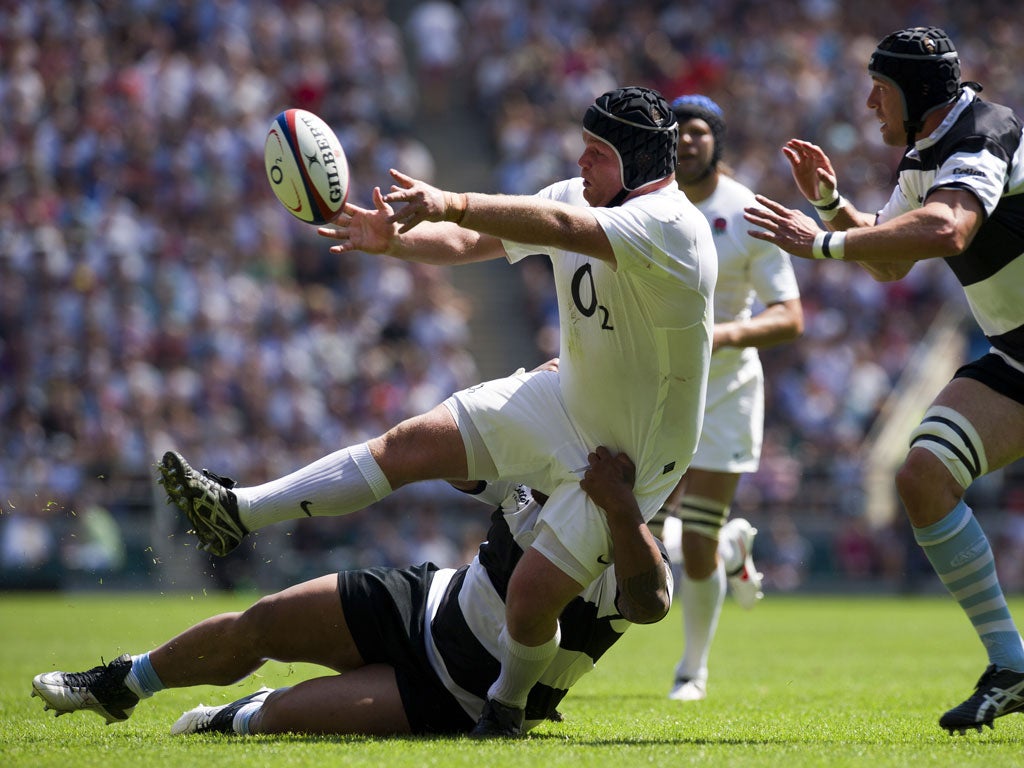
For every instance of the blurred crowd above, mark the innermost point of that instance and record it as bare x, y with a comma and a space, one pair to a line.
154, 295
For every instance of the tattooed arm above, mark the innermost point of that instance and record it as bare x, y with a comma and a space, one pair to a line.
640, 571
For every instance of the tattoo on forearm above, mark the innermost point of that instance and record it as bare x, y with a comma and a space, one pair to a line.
643, 598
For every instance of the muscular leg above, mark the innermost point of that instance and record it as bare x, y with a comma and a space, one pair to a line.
424, 447
700, 549
303, 623
537, 593
926, 487
947, 529
364, 700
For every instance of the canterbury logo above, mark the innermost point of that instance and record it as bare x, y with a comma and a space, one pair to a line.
971, 553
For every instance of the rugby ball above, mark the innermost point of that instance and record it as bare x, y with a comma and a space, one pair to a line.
306, 166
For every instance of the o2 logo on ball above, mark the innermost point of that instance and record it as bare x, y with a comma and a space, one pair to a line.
306, 166
284, 184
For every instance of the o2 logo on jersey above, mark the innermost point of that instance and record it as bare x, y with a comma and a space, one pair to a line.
584, 296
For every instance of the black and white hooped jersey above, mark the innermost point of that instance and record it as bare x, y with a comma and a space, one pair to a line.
466, 614
978, 148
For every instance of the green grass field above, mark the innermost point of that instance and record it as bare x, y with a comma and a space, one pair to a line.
796, 682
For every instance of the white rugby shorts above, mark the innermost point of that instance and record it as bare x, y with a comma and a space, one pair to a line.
733, 431
526, 429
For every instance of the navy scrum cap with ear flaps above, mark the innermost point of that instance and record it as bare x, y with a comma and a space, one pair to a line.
640, 126
924, 66
695, 105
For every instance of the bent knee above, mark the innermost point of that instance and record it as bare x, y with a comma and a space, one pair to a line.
260, 618
926, 487
700, 554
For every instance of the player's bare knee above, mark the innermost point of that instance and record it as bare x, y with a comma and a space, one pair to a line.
528, 625
423, 447
924, 484
702, 520
259, 621
700, 554
531, 610
912, 477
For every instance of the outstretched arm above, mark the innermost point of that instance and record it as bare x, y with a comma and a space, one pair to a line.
944, 226
817, 181
373, 230
640, 571
427, 213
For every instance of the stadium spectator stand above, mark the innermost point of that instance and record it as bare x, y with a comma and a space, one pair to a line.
153, 294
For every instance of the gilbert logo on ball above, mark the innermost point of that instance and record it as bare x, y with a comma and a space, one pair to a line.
306, 166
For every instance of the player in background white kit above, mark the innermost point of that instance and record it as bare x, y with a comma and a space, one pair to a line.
405, 650
635, 268
749, 271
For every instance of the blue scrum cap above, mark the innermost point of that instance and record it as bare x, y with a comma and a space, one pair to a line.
691, 105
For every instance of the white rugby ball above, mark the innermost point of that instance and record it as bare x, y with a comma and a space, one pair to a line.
306, 166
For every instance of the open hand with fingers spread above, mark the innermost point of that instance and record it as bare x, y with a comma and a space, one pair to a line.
362, 229
812, 170
791, 230
375, 230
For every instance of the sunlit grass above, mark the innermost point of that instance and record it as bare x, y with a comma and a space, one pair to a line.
795, 682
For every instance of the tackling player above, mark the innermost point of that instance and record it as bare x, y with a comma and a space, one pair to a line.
417, 648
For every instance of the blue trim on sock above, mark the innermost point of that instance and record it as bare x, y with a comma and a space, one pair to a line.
143, 671
240, 723
947, 527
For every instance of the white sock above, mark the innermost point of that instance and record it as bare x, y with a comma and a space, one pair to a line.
342, 482
521, 668
702, 605
245, 718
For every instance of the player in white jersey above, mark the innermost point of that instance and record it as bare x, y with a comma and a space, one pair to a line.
635, 270
757, 304
417, 648
959, 197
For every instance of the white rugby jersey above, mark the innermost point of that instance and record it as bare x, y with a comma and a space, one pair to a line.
749, 270
636, 339
978, 148
466, 613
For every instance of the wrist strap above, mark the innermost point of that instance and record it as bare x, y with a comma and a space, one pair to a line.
829, 245
455, 205
828, 207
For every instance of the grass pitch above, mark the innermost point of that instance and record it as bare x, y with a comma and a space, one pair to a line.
795, 682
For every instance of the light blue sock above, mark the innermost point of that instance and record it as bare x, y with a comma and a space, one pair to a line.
143, 679
960, 553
